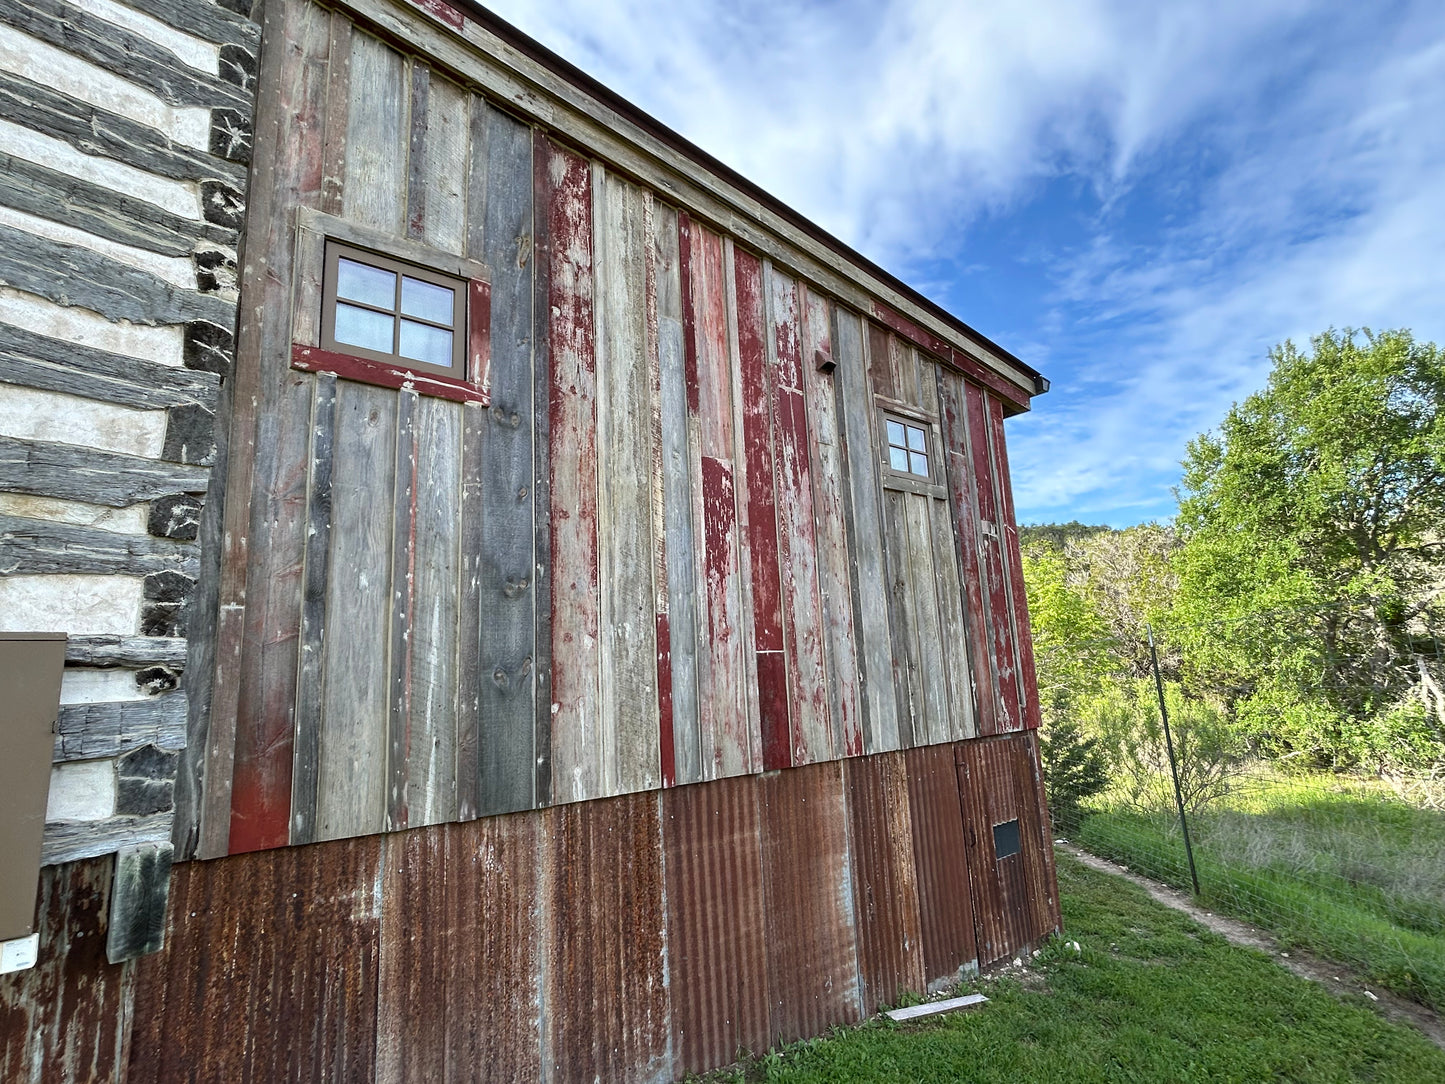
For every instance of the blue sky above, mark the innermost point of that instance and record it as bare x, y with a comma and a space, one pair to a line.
1137, 198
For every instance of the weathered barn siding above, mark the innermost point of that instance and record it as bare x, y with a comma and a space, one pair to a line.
665, 550
631, 938
124, 146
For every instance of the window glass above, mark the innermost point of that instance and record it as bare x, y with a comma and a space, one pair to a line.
426, 300
364, 328
897, 458
422, 342
374, 286
907, 448
915, 439
918, 464
895, 434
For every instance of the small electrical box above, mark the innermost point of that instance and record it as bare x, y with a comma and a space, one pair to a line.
30, 667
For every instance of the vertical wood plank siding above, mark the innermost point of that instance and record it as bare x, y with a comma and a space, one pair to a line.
668, 551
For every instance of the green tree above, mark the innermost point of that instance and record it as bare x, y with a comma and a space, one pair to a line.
1313, 561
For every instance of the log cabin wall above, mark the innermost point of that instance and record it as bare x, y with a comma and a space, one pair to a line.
124, 143
657, 542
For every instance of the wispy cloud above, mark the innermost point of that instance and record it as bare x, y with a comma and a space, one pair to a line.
1232, 173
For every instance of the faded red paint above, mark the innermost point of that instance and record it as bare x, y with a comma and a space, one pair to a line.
313, 359
441, 10
666, 749
1023, 633
479, 338
952, 356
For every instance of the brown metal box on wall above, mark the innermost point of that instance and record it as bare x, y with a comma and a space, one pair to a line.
30, 666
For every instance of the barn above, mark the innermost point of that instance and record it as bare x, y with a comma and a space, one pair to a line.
506, 598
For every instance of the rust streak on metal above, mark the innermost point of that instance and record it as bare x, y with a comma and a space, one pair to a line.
946, 905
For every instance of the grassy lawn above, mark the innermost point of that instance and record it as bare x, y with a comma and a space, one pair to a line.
1339, 868
1152, 997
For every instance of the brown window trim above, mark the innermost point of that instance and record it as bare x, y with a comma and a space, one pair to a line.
933, 485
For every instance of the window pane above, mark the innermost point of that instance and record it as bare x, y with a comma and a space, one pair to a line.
1006, 839
918, 464
427, 301
915, 440
898, 459
369, 285
364, 328
895, 433
422, 343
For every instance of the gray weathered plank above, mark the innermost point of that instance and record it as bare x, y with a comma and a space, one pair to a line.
35, 545
310, 677
137, 921
101, 132
677, 501
351, 781
376, 141
903, 621
624, 462
68, 841
544, 313
933, 662
961, 723
402, 595
101, 650
865, 537
469, 676
38, 361
443, 166
121, 52
214, 22
70, 274
416, 175
91, 731
508, 771
333, 141
72, 472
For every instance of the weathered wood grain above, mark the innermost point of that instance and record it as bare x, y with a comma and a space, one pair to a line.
628, 626
677, 502
66, 273
507, 604
100, 650
991, 562
333, 153
809, 705
961, 723
416, 165
214, 22
72, 472
310, 677
963, 508
834, 582
402, 597
92, 731
903, 622
443, 166
542, 313
38, 361
469, 675
435, 612
564, 183
764, 581
35, 545
865, 533
68, 841
376, 142
1013, 560
662, 631
932, 661
101, 132
350, 798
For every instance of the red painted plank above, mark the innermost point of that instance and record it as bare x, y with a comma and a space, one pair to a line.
479, 338
664, 701
757, 387
689, 315
1023, 634
312, 359
564, 185
444, 12
995, 580
965, 511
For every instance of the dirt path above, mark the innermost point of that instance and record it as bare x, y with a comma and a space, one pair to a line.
1337, 978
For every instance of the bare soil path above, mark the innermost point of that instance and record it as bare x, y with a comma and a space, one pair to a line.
1337, 978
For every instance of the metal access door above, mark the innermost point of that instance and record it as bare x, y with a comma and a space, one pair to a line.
1010, 857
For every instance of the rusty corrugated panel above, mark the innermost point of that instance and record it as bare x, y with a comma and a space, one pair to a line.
1054, 918
64, 1018
459, 966
1013, 893
269, 972
716, 945
807, 880
607, 1007
945, 903
885, 885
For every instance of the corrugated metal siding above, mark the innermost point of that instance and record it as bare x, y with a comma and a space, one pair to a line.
946, 906
65, 1019
885, 880
717, 943
807, 878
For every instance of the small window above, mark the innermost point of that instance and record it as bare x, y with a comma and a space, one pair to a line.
907, 448
393, 312
1006, 838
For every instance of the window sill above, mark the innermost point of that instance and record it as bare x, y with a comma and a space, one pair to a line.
313, 359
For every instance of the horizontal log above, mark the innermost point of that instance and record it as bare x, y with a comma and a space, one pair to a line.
70, 472
99, 131
105, 651
212, 22
38, 361
40, 546
67, 841
62, 197
91, 731
71, 275
123, 52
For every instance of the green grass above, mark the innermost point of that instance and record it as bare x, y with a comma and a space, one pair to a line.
1340, 868
1153, 997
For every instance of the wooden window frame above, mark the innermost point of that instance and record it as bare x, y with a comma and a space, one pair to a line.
891, 477
317, 235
